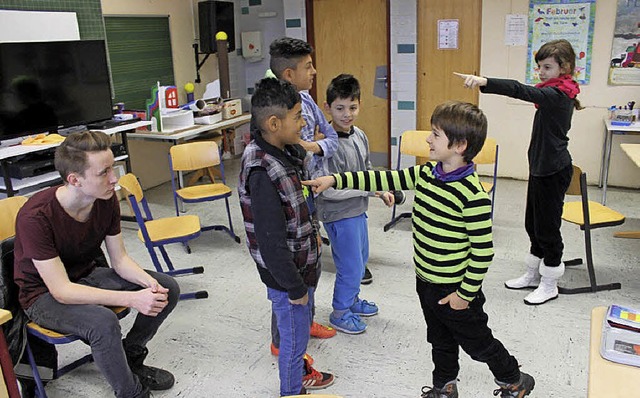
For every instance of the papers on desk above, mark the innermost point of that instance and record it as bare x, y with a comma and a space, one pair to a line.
621, 336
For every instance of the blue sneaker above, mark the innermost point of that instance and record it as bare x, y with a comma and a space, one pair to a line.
349, 323
364, 308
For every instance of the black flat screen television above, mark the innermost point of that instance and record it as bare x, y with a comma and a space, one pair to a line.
48, 86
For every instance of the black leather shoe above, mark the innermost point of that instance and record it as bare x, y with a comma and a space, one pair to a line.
154, 378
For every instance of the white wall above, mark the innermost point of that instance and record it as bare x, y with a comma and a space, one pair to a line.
510, 120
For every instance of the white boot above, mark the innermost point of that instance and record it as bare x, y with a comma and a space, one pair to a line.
548, 289
531, 277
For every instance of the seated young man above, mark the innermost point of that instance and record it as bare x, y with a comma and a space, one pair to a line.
62, 285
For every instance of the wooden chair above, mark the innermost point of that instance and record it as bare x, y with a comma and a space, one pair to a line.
412, 143
163, 231
193, 156
8, 212
588, 215
488, 155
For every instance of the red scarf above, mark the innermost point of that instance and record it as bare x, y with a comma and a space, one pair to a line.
563, 83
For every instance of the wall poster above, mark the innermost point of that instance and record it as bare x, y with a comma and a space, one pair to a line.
624, 68
562, 19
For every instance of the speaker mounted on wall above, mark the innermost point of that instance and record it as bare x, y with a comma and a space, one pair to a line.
214, 17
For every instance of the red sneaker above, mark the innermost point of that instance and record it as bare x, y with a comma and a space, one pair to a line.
314, 380
276, 351
321, 331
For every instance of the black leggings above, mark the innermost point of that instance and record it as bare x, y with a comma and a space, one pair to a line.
543, 216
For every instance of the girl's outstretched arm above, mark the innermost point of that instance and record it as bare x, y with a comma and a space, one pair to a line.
471, 81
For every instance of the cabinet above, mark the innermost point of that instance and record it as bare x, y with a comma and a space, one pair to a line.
24, 186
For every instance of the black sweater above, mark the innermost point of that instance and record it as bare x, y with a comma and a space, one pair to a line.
548, 152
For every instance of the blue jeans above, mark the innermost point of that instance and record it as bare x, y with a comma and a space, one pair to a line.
350, 250
275, 335
99, 327
293, 321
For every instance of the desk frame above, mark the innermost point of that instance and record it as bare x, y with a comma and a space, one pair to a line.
609, 131
192, 132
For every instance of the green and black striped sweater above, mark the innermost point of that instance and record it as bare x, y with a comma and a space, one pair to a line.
452, 238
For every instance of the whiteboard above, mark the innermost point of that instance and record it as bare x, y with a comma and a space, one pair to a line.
19, 26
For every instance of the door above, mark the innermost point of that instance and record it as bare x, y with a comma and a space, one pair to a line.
436, 82
352, 37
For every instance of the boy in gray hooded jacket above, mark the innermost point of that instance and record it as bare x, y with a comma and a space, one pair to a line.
343, 212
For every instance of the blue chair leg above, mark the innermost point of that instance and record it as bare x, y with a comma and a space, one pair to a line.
233, 235
40, 393
201, 294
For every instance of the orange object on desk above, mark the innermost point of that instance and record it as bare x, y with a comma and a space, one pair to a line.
43, 139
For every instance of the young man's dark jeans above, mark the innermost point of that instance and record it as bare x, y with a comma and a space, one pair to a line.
99, 327
449, 329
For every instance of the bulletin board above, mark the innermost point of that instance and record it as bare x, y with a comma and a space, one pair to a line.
572, 20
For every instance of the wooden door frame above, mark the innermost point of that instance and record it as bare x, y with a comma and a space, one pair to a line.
311, 39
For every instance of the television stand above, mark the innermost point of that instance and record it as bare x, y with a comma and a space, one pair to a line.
27, 186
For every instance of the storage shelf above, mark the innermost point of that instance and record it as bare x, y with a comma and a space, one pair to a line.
22, 183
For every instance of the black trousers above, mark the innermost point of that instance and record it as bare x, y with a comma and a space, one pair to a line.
543, 214
449, 329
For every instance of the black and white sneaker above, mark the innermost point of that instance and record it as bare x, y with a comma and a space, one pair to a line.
367, 278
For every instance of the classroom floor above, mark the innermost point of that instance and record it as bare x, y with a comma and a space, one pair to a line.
219, 347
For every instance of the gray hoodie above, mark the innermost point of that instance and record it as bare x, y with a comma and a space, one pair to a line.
352, 155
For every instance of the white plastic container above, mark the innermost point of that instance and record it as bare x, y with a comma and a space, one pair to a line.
176, 120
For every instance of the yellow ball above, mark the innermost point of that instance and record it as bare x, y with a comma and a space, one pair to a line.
221, 36
189, 87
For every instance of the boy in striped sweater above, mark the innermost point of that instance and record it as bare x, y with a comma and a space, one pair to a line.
453, 248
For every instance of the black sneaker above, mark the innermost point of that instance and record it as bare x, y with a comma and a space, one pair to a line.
367, 278
522, 388
151, 377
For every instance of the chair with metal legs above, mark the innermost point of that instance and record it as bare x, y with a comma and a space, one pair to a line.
162, 231
588, 215
412, 143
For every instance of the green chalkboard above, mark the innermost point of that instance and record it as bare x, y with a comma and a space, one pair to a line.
140, 56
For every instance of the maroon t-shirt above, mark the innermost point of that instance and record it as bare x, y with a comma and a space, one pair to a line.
44, 231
